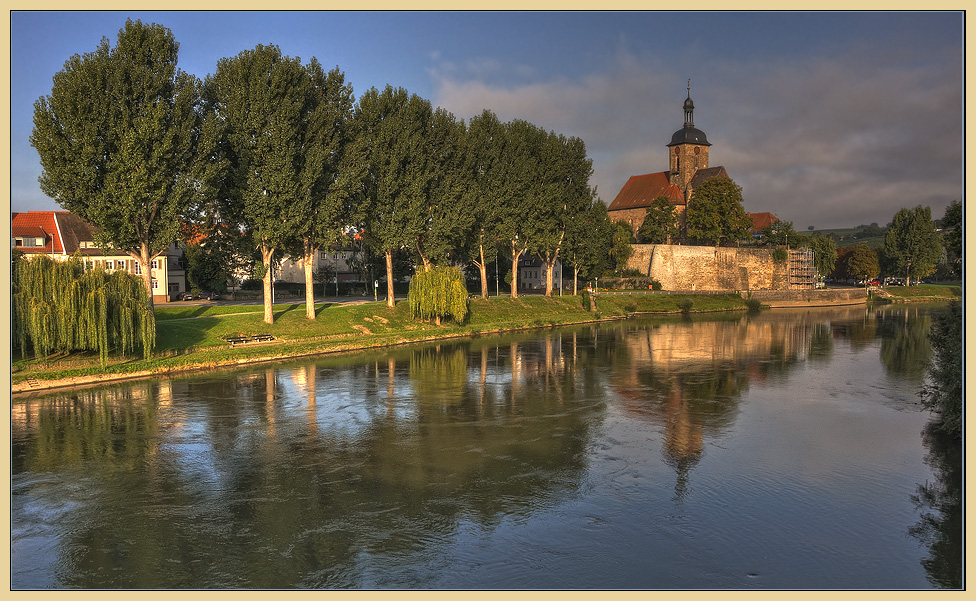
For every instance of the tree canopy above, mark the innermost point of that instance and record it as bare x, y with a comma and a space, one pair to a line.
267, 110
715, 212
660, 225
393, 126
117, 141
912, 245
824, 254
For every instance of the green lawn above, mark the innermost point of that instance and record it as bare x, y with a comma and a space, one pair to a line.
926, 291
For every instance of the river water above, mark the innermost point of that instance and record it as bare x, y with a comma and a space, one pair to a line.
780, 450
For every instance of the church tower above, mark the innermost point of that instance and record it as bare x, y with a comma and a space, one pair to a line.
688, 150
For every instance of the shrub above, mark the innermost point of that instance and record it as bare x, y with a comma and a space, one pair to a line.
685, 305
439, 293
61, 306
780, 255
655, 285
753, 304
251, 284
585, 296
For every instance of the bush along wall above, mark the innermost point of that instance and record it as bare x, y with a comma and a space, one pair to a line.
59, 306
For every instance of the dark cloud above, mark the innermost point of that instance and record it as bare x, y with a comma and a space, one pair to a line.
829, 141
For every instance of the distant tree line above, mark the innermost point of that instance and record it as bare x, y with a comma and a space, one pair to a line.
274, 156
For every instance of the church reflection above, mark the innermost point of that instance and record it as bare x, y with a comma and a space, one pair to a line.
688, 379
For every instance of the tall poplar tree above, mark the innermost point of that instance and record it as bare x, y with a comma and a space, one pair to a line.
116, 140
486, 147
330, 151
447, 216
266, 105
589, 238
519, 191
393, 125
564, 174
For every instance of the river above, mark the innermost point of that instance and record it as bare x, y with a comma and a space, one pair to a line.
780, 450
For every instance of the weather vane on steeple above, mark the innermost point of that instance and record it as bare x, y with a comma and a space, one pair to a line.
689, 88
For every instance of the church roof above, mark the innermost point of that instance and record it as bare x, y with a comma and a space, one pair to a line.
641, 190
702, 174
689, 135
761, 221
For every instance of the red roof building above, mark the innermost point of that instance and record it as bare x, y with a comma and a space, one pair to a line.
61, 234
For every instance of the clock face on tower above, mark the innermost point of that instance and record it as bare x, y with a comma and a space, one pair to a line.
677, 150
697, 150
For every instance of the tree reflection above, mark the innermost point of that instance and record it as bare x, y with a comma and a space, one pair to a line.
905, 346
941, 524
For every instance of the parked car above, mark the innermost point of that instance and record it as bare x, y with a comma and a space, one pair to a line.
185, 296
211, 296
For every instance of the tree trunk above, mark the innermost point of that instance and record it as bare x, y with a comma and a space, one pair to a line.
515, 258
309, 284
483, 271
550, 266
575, 277
266, 254
389, 278
423, 257
145, 263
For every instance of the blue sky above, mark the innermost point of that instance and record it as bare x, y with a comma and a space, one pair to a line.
828, 119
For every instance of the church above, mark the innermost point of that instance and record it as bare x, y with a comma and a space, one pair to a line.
688, 169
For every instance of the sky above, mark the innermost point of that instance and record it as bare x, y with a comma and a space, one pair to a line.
825, 119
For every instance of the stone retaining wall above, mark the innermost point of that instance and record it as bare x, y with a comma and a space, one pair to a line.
806, 298
680, 267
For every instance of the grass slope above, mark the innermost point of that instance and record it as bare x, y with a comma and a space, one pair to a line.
194, 337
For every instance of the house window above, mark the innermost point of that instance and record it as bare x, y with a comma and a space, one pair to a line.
155, 284
155, 264
40, 241
138, 268
323, 255
18, 241
120, 264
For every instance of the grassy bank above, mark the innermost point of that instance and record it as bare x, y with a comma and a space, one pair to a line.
193, 337
921, 293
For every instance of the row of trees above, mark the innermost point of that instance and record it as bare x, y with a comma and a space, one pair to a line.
280, 155
912, 248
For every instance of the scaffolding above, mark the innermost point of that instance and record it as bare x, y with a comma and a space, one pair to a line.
803, 274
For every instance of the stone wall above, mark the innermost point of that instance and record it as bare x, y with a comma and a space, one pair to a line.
806, 298
680, 267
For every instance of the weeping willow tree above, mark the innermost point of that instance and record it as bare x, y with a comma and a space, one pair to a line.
439, 292
59, 306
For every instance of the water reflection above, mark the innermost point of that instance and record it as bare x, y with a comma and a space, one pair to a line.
363, 471
941, 524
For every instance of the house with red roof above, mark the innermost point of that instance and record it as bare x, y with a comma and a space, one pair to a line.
61, 235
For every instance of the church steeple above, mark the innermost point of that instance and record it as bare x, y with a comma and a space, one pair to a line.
688, 150
689, 109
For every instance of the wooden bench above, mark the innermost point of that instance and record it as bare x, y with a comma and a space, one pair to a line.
235, 340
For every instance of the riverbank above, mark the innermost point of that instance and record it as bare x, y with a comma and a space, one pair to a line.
191, 338
924, 293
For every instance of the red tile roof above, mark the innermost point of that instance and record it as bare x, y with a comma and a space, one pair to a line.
761, 221
37, 224
641, 190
